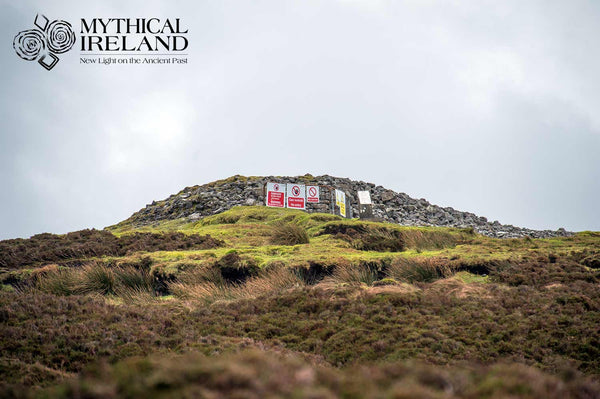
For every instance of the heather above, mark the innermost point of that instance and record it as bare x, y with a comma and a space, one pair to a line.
258, 302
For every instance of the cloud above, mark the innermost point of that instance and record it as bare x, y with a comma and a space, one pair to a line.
484, 106
155, 127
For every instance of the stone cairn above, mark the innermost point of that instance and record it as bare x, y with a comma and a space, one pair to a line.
197, 202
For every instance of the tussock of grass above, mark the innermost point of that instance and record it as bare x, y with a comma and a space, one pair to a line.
426, 239
418, 270
202, 274
58, 282
273, 280
205, 292
136, 295
354, 274
133, 278
288, 234
208, 288
365, 236
96, 278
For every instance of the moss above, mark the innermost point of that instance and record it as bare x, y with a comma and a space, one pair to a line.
385, 281
468, 278
7, 288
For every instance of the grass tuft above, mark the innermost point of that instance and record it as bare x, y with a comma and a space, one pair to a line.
97, 279
418, 270
354, 274
60, 282
288, 234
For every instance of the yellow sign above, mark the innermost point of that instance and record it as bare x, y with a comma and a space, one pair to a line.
340, 201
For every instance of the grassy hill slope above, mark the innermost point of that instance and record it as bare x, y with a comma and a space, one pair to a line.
258, 301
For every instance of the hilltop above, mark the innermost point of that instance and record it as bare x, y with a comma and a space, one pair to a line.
256, 302
197, 202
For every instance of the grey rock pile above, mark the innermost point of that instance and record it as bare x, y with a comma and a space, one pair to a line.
197, 202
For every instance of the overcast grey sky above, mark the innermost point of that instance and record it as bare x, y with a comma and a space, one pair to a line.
491, 107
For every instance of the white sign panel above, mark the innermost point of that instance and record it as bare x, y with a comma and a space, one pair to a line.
296, 196
276, 195
312, 194
340, 201
364, 197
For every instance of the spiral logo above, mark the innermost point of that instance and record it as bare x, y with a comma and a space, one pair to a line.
43, 42
30, 44
61, 37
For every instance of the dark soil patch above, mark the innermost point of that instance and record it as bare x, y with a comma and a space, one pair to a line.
236, 269
314, 273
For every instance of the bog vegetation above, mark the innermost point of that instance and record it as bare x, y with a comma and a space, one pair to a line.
256, 302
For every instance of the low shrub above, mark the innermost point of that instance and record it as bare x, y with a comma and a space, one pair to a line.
543, 273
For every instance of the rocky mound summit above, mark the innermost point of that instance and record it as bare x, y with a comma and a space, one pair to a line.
197, 202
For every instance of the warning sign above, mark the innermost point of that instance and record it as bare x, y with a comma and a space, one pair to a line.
364, 197
340, 201
296, 196
312, 194
276, 195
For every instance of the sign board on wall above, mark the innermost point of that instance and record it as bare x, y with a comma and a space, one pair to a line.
296, 196
276, 195
365, 206
364, 197
312, 194
340, 201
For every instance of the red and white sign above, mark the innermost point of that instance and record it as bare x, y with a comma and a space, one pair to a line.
276, 195
312, 193
296, 196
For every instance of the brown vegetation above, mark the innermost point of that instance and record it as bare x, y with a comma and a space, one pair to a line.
345, 315
258, 374
366, 237
92, 243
